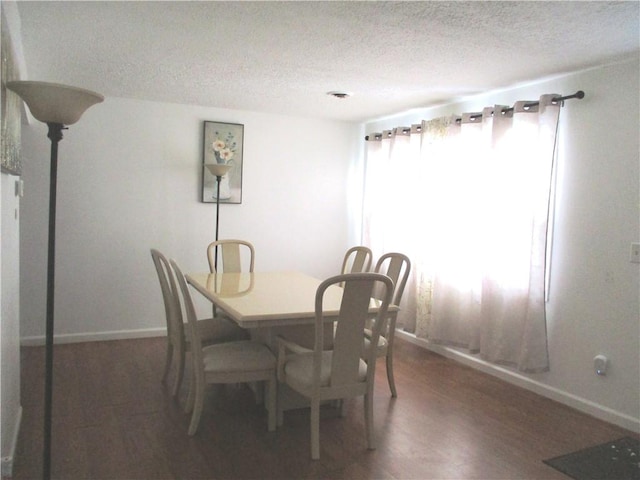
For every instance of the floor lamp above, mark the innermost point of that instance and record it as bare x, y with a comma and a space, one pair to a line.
219, 170
57, 106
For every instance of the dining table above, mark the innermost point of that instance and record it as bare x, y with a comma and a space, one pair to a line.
270, 301
265, 299
271, 304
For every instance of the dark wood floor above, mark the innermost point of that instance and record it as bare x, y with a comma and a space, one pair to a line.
114, 420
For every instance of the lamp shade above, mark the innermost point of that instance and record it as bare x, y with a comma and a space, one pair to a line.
218, 169
55, 103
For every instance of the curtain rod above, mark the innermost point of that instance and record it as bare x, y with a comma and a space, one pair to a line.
579, 95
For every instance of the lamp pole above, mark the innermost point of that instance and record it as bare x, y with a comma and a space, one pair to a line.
218, 179
57, 106
55, 135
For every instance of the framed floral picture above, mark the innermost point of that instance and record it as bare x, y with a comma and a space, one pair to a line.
223, 144
10, 118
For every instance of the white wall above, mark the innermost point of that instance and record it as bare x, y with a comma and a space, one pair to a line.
129, 179
594, 302
11, 410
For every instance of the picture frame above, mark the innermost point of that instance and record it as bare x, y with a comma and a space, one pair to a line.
223, 143
11, 116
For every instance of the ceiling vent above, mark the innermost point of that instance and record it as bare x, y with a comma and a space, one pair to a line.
339, 94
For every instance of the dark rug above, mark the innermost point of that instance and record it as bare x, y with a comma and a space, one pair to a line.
616, 460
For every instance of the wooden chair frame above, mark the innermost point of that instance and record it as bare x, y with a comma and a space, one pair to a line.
357, 259
396, 266
231, 255
338, 373
242, 361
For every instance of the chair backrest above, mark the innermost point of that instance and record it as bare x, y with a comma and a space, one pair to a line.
175, 330
231, 255
349, 329
396, 266
190, 311
357, 259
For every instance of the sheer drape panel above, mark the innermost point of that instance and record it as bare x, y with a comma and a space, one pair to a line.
513, 284
374, 194
391, 194
476, 228
438, 143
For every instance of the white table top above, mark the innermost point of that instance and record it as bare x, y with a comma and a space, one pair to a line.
268, 299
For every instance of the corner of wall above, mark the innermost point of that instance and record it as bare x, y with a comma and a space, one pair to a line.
7, 461
573, 401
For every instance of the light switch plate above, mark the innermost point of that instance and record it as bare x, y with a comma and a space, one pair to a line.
19, 192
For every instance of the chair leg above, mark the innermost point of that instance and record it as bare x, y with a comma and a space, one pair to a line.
368, 420
258, 389
272, 409
191, 395
197, 409
167, 363
280, 414
392, 382
279, 418
343, 408
315, 429
179, 374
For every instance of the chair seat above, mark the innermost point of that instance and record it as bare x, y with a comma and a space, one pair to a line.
382, 341
237, 357
220, 329
299, 369
231, 362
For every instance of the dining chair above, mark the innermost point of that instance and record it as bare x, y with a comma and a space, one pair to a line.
232, 252
231, 255
339, 372
212, 330
242, 361
397, 267
357, 259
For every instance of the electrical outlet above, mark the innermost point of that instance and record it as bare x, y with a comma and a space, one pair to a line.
600, 363
635, 253
7, 467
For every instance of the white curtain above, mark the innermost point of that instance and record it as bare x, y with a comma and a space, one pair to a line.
468, 199
391, 189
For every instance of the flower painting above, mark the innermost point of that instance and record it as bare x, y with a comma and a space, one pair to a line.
10, 118
223, 145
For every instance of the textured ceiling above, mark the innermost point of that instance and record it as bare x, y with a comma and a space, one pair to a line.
282, 57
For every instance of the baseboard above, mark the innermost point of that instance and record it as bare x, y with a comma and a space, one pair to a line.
596, 410
7, 461
95, 336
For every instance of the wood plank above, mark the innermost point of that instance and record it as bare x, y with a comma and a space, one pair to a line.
114, 419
